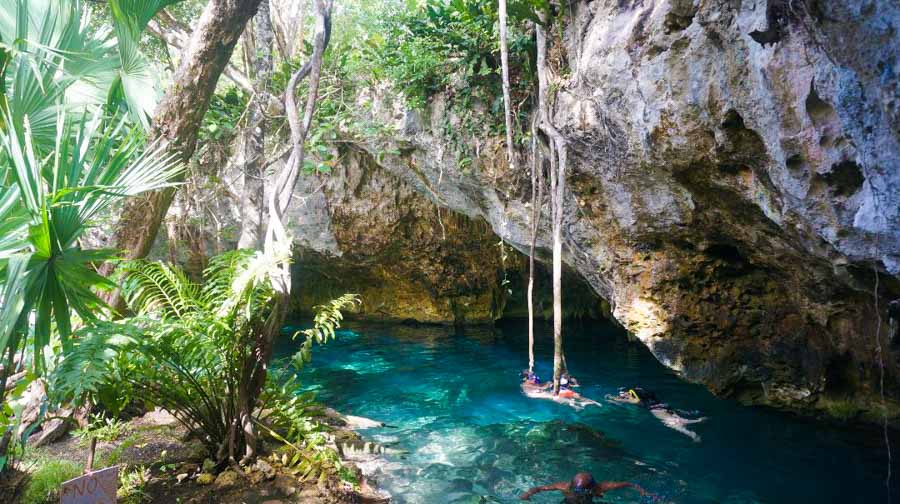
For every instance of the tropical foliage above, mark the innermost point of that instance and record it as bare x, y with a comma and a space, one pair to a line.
430, 44
193, 349
69, 154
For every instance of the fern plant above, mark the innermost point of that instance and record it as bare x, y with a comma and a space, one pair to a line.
306, 450
196, 341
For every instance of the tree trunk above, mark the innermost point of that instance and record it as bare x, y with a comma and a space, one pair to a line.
537, 198
277, 242
504, 63
178, 118
557, 192
253, 141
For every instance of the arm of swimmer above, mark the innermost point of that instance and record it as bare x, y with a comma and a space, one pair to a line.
615, 485
562, 486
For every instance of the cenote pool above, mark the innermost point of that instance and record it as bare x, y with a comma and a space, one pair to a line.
468, 435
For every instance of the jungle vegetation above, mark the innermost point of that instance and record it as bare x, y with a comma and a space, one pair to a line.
106, 109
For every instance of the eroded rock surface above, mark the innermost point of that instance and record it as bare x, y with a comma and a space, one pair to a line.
367, 231
734, 186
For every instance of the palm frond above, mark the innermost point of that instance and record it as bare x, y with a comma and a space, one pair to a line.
135, 75
12, 296
14, 220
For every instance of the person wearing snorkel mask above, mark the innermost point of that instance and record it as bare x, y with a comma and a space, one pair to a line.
660, 410
582, 489
566, 384
532, 381
568, 381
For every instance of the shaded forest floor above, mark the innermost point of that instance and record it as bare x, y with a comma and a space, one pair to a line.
164, 466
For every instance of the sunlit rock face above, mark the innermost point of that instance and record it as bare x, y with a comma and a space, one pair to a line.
360, 229
734, 185
363, 230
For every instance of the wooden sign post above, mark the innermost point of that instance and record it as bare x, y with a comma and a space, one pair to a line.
97, 487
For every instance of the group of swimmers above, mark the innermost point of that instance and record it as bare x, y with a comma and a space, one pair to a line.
582, 489
531, 382
533, 386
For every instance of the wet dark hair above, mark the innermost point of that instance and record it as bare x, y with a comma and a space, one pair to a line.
583, 483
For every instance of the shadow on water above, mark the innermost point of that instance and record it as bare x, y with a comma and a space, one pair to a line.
465, 432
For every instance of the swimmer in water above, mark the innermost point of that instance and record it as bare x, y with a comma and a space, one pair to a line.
660, 410
582, 489
533, 387
566, 384
531, 381
568, 380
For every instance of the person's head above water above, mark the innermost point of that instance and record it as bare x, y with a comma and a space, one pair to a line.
629, 394
583, 482
583, 488
638, 395
529, 376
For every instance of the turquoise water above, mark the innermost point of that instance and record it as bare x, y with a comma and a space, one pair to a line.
467, 434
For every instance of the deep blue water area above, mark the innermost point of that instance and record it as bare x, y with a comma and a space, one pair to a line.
465, 433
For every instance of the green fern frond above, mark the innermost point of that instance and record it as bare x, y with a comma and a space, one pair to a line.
328, 318
86, 367
156, 287
220, 274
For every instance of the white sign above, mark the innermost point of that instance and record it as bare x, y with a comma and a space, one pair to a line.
97, 487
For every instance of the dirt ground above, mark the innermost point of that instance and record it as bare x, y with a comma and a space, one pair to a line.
159, 444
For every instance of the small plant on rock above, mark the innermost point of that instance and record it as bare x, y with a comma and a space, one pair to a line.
104, 429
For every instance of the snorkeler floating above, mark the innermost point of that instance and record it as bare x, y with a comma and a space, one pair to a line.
582, 489
660, 410
534, 387
533, 382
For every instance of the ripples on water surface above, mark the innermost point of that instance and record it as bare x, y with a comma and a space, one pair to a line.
470, 436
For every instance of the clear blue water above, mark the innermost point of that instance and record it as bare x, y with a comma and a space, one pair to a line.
467, 434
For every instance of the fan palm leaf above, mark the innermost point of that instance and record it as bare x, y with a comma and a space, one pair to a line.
58, 62
58, 197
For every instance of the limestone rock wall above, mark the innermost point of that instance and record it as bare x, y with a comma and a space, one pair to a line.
734, 186
360, 229
734, 196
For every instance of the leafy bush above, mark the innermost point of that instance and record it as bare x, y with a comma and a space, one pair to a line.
102, 428
48, 476
196, 342
220, 120
131, 485
190, 359
428, 44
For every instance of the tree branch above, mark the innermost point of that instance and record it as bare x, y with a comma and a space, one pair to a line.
176, 34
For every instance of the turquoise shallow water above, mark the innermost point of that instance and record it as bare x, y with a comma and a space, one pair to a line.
469, 435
